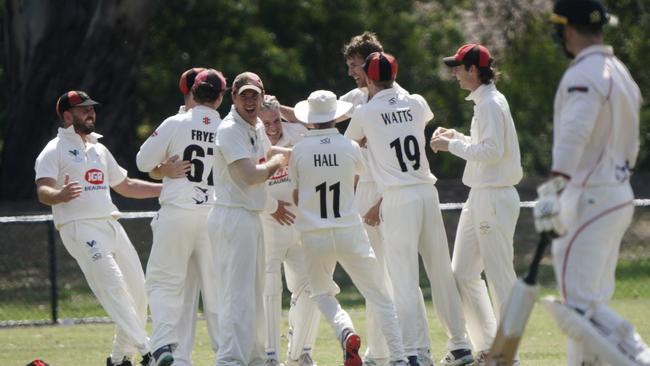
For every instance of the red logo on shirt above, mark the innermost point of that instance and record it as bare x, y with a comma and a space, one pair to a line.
206, 120
94, 176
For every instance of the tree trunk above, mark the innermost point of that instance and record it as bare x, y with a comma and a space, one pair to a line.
55, 46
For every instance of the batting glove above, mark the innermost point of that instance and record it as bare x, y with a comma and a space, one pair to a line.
547, 208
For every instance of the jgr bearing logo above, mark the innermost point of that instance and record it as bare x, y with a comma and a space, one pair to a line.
94, 176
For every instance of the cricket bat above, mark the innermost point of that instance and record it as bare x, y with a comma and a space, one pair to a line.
516, 312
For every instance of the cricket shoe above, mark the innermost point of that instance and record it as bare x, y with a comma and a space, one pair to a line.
397, 363
163, 356
125, 362
351, 345
306, 360
458, 357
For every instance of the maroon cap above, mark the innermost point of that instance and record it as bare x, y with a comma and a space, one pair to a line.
470, 54
187, 79
73, 98
38, 362
247, 81
380, 66
213, 78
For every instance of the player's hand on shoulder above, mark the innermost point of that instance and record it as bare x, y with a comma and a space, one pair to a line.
173, 167
70, 190
282, 215
547, 208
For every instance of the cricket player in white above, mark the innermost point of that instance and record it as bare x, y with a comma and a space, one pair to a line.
322, 170
282, 245
180, 233
484, 237
588, 204
393, 124
235, 227
74, 174
367, 195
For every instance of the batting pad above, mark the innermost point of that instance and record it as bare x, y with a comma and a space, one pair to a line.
579, 327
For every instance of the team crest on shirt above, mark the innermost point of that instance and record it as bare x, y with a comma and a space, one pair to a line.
76, 155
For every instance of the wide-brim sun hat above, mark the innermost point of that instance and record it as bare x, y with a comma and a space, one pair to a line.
321, 107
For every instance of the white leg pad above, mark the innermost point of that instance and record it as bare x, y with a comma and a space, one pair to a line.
273, 312
602, 332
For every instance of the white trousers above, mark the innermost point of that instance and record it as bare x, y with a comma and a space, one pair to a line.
238, 249
585, 258
484, 241
114, 273
366, 196
186, 328
180, 241
413, 224
282, 247
351, 248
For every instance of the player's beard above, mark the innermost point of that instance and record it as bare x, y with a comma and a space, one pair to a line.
80, 125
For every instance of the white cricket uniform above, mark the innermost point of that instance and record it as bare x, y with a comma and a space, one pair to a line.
484, 237
393, 123
92, 235
238, 245
282, 245
595, 142
180, 233
366, 195
322, 167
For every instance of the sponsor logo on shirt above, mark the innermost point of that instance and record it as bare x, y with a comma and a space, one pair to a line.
154, 134
392, 101
206, 120
326, 140
94, 251
280, 176
94, 176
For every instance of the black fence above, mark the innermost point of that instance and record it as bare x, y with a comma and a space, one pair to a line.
40, 283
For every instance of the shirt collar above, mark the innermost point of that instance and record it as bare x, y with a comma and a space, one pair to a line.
69, 133
327, 131
479, 93
385, 92
607, 50
239, 119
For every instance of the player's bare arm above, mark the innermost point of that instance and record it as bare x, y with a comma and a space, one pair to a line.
275, 150
245, 171
136, 188
439, 143
49, 195
172, 167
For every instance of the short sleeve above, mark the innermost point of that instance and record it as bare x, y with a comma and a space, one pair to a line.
233, 144
47, 165
355, 128
116, 174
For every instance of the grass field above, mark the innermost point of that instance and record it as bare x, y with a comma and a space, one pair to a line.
65, 345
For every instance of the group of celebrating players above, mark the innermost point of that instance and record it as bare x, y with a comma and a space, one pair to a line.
270, 186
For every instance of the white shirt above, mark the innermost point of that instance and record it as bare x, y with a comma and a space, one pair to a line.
279, 185
237, 139
492, 149
358, 97
191, 136
393, 123
90, 164
322, 167
596, 119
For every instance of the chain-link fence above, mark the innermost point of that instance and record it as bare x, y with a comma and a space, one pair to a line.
40, 283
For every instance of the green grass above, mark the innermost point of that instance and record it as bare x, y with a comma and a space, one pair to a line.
543, 344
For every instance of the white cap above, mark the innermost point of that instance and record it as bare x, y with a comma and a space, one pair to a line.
321, 107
